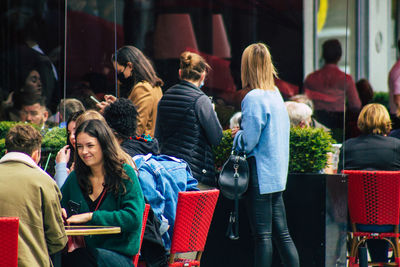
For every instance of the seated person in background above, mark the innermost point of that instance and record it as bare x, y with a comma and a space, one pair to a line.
105, 184
372, 150
29, 86
66, 108
29, 193
299, 114
301, 98
33, 110
65, 156
234, 122
121, 116
365, 91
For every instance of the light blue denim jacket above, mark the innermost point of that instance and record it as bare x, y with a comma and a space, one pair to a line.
265, 135
162, 178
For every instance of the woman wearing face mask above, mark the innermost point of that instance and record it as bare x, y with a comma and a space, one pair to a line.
187, 124
136, 73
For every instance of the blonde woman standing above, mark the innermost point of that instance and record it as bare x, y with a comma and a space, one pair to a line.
265, 134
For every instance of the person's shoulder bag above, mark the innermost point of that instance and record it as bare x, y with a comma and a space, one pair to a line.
233, 183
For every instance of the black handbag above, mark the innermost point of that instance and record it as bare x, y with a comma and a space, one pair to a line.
233, 183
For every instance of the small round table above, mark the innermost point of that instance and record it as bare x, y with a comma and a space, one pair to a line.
71, 230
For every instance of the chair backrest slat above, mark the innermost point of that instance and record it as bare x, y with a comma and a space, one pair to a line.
9, 241
193, 218
145, 215
374, 196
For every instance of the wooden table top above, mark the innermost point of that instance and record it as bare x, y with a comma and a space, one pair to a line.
91, 230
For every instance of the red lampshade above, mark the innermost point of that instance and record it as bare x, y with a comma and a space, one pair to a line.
221, 47
173, 34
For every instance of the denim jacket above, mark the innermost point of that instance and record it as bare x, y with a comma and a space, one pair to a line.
162, 178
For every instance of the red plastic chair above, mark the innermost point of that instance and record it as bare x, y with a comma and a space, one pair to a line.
374, 199
9, 241
145, 214
192, 222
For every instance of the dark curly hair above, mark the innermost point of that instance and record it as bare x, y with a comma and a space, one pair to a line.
113, 158
121, 117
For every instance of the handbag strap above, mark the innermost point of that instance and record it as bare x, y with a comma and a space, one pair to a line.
236, 177
101, 199
233, 226
234, 146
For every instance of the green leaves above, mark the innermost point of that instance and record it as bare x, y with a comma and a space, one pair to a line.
308, 149
5, 126
53, 140
223, 150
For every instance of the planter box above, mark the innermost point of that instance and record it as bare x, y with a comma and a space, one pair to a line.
316, 209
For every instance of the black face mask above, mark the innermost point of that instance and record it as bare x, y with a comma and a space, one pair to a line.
121, 77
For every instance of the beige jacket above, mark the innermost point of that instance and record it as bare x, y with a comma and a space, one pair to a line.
27, 192
146, 98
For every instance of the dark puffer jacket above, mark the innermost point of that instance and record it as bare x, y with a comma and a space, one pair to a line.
186, 128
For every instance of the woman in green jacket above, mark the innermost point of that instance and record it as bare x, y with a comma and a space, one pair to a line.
103, 190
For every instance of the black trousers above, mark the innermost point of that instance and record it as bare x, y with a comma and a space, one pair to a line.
267, 218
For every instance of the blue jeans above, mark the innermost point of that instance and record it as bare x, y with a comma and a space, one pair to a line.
267, 217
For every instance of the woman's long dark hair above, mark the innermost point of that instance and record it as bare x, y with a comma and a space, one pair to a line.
113, 158
142, 68
71, 118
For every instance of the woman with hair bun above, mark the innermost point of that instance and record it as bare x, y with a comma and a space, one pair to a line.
187, 125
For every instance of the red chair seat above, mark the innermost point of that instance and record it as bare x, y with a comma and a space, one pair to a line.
9, 241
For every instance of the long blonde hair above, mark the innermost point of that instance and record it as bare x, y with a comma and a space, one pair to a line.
257, 70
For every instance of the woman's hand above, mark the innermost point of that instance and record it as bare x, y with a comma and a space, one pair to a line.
110, 98
63, 155
80, 218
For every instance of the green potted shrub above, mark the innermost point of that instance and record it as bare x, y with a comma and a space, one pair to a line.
309, 149
53, 140
223, 150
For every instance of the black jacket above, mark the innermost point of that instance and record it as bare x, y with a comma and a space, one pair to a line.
186, 128
371, 152
140, 147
